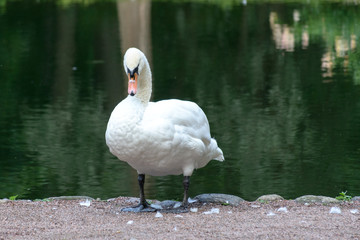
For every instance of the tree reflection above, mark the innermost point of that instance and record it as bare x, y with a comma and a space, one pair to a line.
278, 82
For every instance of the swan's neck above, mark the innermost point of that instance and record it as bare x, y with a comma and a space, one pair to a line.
144, 83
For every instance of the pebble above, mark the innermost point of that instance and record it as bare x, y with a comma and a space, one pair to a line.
130, 222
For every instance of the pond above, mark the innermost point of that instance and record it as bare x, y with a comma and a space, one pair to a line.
279, 82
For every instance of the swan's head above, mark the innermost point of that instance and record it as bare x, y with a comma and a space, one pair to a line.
134, 61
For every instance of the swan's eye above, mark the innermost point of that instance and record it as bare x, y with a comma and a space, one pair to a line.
136, 70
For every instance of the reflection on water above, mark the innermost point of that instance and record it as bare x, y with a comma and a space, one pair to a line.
278, 82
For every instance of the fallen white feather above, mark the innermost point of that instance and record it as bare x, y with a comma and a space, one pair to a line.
177, 205
229, 212
86, 203
193, 209
156, 206
213, 210
158, 215
130, 222
270, 214
335, 210
178, 216
192, 200
282, 209
354, 211
254, 206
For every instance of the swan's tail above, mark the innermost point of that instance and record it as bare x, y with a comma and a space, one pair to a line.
216, 152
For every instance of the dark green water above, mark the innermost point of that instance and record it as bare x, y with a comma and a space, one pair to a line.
279, 82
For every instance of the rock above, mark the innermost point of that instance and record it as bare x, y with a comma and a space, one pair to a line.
156, 206
4, 200
225, 199
269, 198
357, 198
316, 199
170, 204
72, 198
138, 209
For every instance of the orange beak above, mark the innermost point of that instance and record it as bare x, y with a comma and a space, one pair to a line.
132, 87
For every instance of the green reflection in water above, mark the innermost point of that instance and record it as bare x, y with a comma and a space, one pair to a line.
279, 83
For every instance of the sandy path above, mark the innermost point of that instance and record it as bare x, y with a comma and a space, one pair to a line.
250, 220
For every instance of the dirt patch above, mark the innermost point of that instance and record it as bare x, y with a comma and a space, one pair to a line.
68, 219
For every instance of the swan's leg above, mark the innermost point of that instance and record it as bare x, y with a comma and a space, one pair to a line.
141, 180
144, 206
186, 184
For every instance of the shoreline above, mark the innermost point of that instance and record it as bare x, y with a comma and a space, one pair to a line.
102, 219
219, 198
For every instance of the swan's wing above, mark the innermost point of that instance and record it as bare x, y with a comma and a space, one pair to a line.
186, 118
175, 138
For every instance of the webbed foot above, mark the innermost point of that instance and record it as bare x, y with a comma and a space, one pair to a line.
139, 208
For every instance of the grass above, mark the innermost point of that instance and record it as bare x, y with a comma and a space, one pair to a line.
12, 198
343, 197
42, 200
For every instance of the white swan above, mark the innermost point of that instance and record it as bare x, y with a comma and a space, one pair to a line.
168, 137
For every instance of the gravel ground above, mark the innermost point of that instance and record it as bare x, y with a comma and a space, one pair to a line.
68, 219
